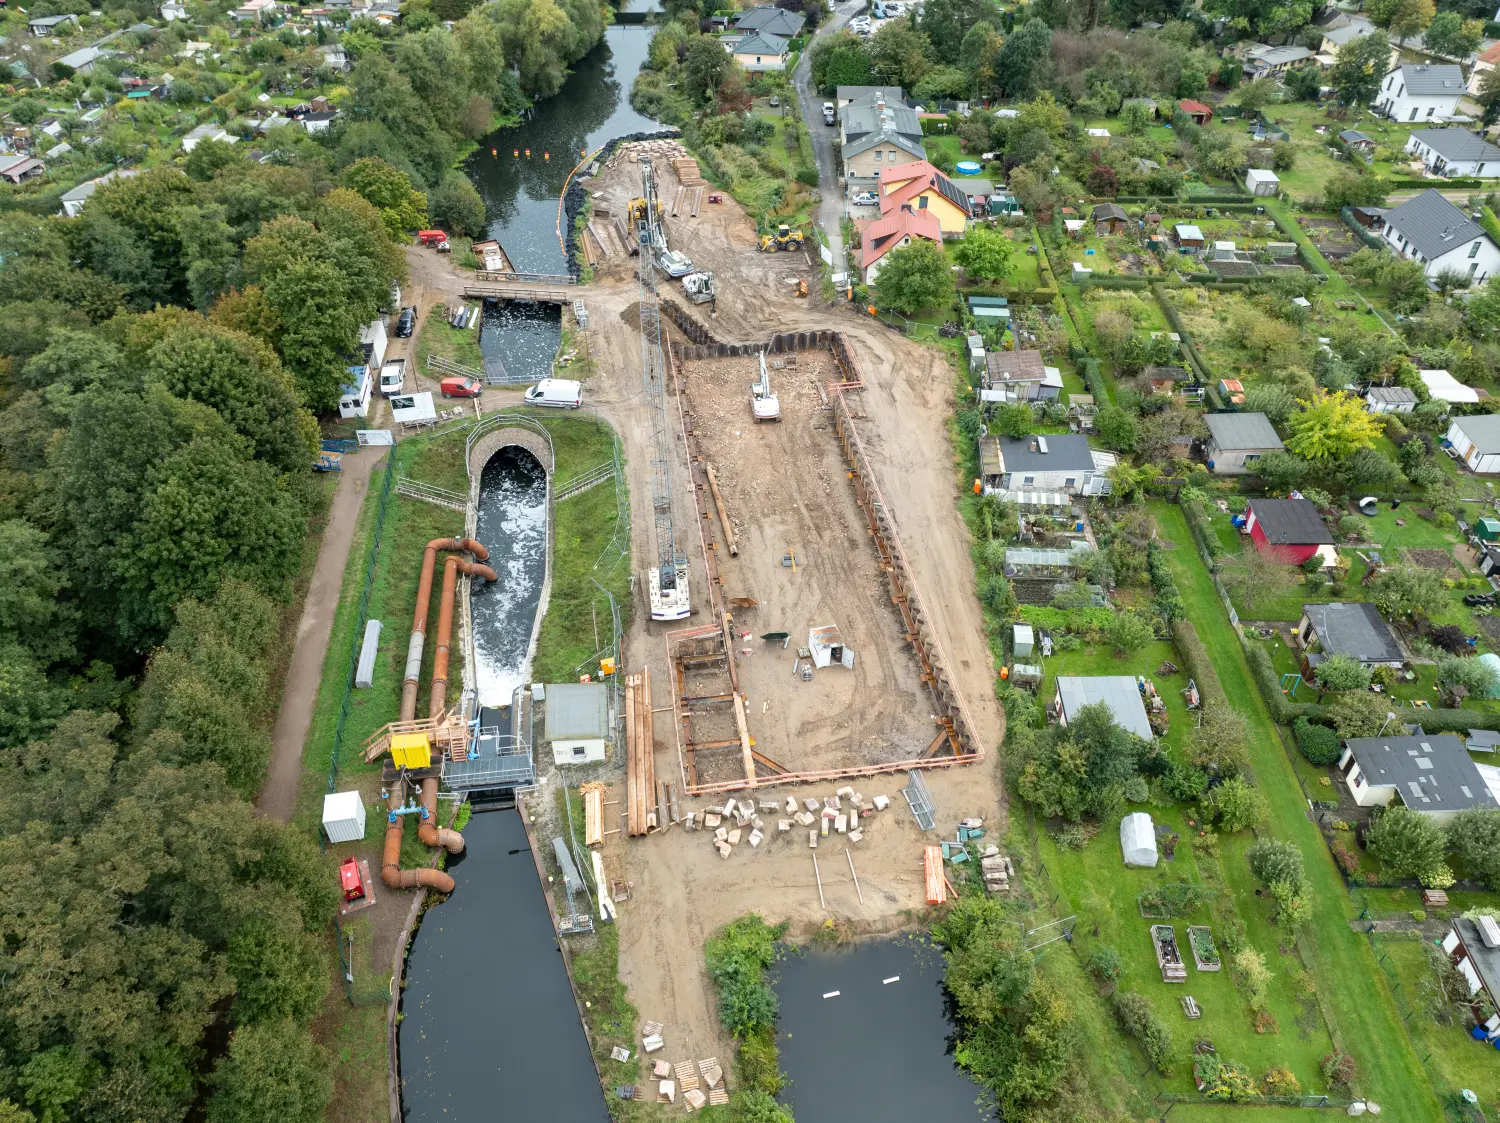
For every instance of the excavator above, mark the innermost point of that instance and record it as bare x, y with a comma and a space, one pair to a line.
785, 238
637, 208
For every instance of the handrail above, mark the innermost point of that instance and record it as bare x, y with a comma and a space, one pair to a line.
525, 278
495, 421
585, 481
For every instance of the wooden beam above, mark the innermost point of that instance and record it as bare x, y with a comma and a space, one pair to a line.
749, 753
729, 536
768, 762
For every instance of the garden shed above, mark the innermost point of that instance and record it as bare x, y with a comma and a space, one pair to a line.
1138, 839
1262, 181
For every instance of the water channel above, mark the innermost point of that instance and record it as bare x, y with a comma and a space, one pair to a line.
490, 1028
880, 1050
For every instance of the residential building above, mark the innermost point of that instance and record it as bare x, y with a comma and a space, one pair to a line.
1352, 628
1118, 692
875, 134
1476, 439
1236, 441
1454, 152
1201, 114
769, 20
1443, 387
1430, 229
844, 95
1484, 62
1473, 946
1336, 38
1110, 218
1390, 399
1059, 462
1430, 773
759, 52
50, 25
922, 187
1420, 92
73, 201
892, 231
1291, 530
1262, 61
1018, 376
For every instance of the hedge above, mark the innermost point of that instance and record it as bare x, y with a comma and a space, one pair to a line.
1189, 348
1319, 744
1195, 656
1075, 620
1107, 281
1088, 367
1346, 215
1422, 184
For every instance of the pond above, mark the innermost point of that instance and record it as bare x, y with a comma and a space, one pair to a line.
882, 1047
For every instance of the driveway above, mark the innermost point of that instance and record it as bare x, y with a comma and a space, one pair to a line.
831, 211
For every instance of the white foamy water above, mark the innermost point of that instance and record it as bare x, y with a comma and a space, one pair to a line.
512, 524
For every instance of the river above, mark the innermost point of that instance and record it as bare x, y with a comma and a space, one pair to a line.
880, 1050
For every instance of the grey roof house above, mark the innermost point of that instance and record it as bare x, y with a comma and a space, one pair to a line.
1431, 773
1431, 230
1058, 463
1353, 628
1454, 152
1236, 441
772, 21
1119, 692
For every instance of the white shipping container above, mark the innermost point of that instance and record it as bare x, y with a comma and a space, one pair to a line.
344, 817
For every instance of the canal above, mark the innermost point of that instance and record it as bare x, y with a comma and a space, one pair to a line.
881, 1048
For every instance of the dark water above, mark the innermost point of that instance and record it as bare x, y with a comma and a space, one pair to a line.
491, 1029
512, 524
524, 337
592, 108
879, 1052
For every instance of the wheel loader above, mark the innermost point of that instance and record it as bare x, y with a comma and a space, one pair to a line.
785, 238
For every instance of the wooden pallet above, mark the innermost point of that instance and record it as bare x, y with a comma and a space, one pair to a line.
932, 873
717, 1097
687, 1076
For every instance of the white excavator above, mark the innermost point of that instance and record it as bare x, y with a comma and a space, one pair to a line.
764, 404
700, 287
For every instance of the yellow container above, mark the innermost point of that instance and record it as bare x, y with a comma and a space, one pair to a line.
606, 666
411, 750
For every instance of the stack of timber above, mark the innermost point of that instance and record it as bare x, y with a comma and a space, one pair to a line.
687, 172
593, 813
932, 874
640, 757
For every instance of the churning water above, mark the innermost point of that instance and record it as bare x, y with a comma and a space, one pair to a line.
512, 524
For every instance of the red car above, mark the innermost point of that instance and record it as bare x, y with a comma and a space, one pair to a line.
457, 387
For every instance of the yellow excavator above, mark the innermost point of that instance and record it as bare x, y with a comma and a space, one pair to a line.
638, 210
785, 238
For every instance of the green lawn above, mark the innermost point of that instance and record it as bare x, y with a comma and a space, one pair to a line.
1363, 1015
440, 338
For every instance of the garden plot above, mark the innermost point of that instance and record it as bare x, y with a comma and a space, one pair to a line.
1334, 240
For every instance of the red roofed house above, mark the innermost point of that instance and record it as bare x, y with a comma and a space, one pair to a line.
1200, 113
1290, 529
891, 231
1483, 62
922, 187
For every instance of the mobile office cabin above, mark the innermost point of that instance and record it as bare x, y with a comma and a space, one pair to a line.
557, 393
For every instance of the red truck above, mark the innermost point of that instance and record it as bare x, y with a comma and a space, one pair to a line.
435, 238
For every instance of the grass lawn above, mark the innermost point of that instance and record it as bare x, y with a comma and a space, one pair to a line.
440, 338
1364, 1018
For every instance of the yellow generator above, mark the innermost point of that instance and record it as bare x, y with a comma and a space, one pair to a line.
411, 750
785, 238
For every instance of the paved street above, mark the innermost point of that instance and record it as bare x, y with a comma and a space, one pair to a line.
831, 213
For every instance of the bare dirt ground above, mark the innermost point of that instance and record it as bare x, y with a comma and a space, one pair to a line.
786, 489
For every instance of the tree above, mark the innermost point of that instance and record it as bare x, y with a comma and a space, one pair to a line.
273, 1070
1273, 860
1452, 36
703, 68
979, 55
1358, 713
1014, 419
1474, 838
1404, 589
1080, 770
1304, 83
1341, 671
1253, 578
1234, 805
1258, 94
1357, 72
1022, 56
1411, 844
1467, 677
1331, 427
1136, 117
457, 206
1220, 743
1489, 95
900, 55
915, 277
1402, 18
1115, 428
1128, 632
985, 254
1368, 470
1405, 280
207, 157
1262, 17
402, 207
946, 22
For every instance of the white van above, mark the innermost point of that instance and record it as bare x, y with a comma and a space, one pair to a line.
393, 377
560, 393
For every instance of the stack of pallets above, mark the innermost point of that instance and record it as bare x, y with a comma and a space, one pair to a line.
640, 756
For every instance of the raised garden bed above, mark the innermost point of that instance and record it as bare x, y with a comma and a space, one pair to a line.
1168, 957
1205, 954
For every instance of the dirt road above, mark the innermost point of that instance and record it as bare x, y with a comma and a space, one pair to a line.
278, 798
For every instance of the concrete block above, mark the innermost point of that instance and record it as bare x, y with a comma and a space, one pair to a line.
811, 804
667, 1091
841, 824
757, 824
729, 809
691, 821
724, 849
747, 807
812, 839
734, 837
771, 805
652, 1043
856, 836
846, 791
882, 802
791, 805
661, 1069
832, 802
805, 819
721, 834
694, 1099
823, 827
710, 819
713, 1076
756, 837
783, 825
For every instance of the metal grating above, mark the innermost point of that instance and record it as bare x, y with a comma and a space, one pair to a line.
919, 799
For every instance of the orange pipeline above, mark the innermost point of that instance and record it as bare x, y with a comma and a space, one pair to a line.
390, 863
419, 618
451, 569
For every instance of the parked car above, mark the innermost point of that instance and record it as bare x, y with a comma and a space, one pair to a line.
866, 199
775, 101
457, 387
406, 323
828, 113
559, 393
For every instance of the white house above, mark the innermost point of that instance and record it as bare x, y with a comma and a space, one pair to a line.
1454, 152
1262, 181
1433, 231
1421, 93
1476, 439
1430, 773
1390, 399
1058, 462
73, 201
1237, 441
206, 132
761, 51
577, 721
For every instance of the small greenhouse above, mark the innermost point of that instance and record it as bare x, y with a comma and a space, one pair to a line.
1138, 839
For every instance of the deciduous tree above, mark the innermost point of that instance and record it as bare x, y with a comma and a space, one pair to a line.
1411, 844
984, 254
915, 277
1331, 427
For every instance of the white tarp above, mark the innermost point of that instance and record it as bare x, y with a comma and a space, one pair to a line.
411, 409
368, 437
1138, 839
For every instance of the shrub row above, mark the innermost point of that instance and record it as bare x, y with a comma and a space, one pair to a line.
1403, 183
1199, 666
1088, 366
1168, 597
1074, 620
1095, 281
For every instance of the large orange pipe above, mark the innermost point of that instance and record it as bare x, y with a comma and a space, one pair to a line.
451, 569
419, 618
390, 863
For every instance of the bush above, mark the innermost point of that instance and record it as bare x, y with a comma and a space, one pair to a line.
1272, 861
1139, 1020
1234, 805
1338, 1068
1318, 743
1279, 1081
1184, 783
1104, 964
737, 957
